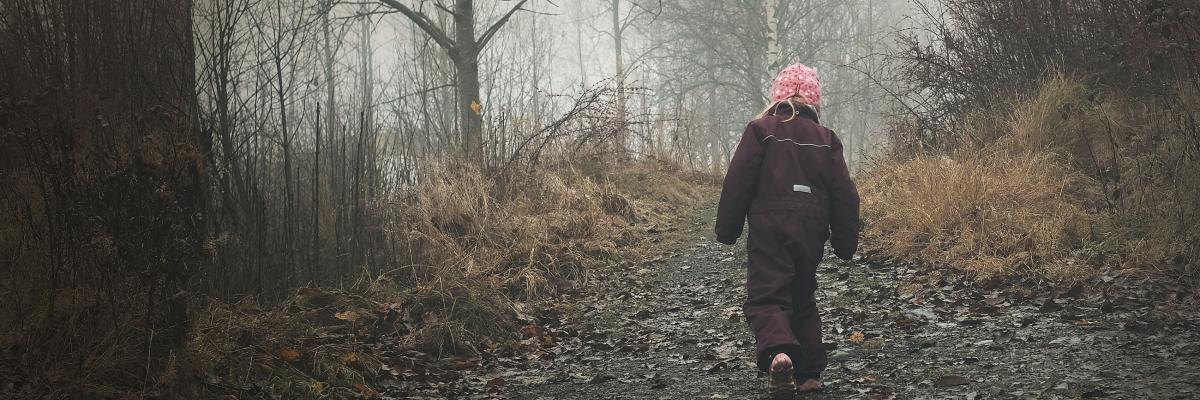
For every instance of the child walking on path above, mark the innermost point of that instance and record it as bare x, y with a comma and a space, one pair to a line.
788, 177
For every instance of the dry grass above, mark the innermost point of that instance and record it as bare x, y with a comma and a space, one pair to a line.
475, 245
470, 246
1067, 184
532, 235
312, 342
990, 214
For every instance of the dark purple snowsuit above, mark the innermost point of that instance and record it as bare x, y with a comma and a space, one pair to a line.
791, 181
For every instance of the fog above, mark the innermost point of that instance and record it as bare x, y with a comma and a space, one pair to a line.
699, 65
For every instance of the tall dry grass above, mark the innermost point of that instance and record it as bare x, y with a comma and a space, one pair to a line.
989, 214
473, 246
1074, 181
531, 235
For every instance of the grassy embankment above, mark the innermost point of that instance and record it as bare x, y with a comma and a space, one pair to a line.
478, 248
1074, 183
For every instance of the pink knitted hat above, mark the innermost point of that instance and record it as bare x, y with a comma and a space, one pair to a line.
797, 79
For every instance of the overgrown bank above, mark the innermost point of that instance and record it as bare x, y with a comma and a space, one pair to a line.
1065, 147
1075, 182
477, 249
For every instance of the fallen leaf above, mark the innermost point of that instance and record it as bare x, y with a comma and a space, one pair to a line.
287, 354
462, 363
857, 337
366, 391
349, 316
532, 330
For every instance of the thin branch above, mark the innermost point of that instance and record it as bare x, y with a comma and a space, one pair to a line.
410, 94
425, 24
439, 5
491, 31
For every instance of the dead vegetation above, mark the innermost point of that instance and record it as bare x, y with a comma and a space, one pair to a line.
475, 246
988, 214
1071, 183
1066, 149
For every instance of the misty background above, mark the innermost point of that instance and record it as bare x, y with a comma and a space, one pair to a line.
694, 72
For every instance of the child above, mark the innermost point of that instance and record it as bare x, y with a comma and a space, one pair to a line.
788, 177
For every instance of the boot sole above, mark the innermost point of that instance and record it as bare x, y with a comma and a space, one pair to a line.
781, 385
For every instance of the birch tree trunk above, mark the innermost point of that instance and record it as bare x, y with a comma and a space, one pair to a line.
771, 8
618, 40
582, 15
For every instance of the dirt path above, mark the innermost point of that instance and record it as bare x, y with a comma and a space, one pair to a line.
673, 329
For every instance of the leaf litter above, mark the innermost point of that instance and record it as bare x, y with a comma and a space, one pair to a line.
675, 332
654, 329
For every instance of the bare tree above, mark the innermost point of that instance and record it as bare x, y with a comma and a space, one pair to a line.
464, 51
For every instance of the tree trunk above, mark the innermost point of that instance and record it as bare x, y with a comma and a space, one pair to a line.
466, 62
364, 153
316, 203
463, 49
332, 129
771, 8
288, 209
331, 119
618, 39
583, 76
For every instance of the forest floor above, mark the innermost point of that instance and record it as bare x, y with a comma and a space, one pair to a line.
671, 327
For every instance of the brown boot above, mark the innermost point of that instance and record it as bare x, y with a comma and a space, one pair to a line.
780, 384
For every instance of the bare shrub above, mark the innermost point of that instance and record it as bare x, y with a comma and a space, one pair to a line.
973, 55
1067, 183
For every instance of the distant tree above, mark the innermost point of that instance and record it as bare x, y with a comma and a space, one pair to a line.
618, 35
463, 49
727, 52
622, 22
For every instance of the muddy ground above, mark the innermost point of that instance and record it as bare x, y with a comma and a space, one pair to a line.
672, 328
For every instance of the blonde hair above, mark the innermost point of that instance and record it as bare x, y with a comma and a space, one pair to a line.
800, 101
